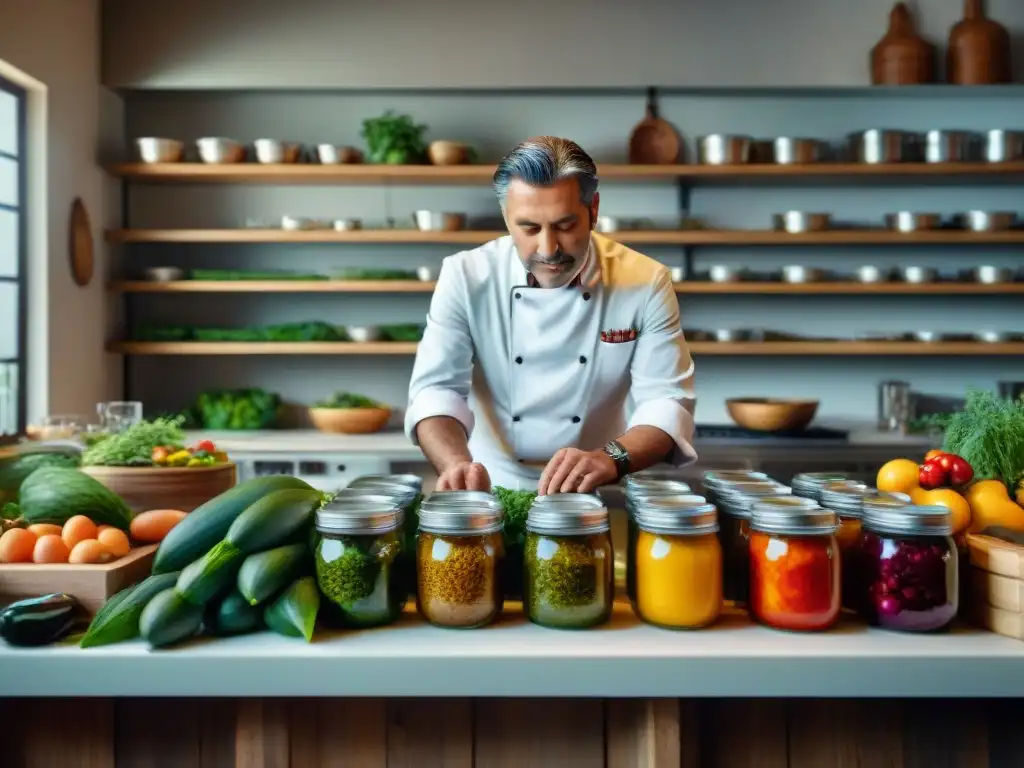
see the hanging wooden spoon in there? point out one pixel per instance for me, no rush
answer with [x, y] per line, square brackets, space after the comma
[654, 141]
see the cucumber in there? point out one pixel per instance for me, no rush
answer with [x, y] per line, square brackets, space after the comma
[265, 574]
[118, 619]
[293, 614]
[169, 618]
[232, 615]
[40, 620]
[274, 520]
[56, 494]
[211, 575]
[197, 534]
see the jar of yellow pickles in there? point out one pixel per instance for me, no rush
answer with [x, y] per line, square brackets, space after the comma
[639, 489]
[678, 562]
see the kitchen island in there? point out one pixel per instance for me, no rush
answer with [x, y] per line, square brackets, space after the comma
[516, 694]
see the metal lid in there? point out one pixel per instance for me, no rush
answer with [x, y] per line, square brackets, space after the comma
[814, 481]
[893, 516]
[567, 519]
[755, 488]
[658, 488]
[848, 497]
[578, 500]
[715, 478]
[395, 496]
[740, 506]
[409, 481]
[359, 516]
[459, 497]
[792, 515]
[679, 515]
[461, 516]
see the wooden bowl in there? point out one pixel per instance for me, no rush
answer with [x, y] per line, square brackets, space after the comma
[765, 414]
[184, 488]
[447, 153]
[349, 421]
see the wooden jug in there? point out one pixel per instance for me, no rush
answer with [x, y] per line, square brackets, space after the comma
[979, 49]
[902, 57]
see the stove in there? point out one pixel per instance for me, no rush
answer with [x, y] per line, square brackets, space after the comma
[733, 432]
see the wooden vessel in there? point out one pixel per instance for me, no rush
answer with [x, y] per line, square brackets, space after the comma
[183, 488]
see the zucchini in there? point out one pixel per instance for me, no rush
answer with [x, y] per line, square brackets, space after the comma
[118, 619]
[200, 531]
[16, 467]
[232, 615]
[169, 618]
[274, 520]
[211, 575]
[265, 574]
[40, 620]
[56, 494]
[293, 614]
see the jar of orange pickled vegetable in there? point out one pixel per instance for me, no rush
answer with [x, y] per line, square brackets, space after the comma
[678, 563]
[794, 565]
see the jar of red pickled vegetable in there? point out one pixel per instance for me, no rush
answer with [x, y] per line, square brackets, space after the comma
[794, 565]
[905, 568]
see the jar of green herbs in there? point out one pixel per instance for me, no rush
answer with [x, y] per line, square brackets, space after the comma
[459, 557]
[358, 542]
[569, 565]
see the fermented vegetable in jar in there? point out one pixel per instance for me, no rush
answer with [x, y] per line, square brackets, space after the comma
[459, 555]
[568, 576]
[638, 488]
[794, 565]
[678, 563]
[904, 571]
[358, 543]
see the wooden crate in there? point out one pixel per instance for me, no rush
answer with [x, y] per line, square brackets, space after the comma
[996, 582]
[91, 585]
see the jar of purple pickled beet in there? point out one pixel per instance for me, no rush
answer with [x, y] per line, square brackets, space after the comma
[904, 566]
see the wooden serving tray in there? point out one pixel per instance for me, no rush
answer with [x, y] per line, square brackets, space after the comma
[91, 585]
[996, 556]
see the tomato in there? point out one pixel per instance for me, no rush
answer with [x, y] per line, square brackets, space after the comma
[960, 471]
[932, 474]
[160, 454]
[206, 445]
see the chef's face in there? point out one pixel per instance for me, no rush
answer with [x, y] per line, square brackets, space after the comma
[550, 227]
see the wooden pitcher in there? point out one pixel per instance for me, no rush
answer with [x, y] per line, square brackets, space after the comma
[902, 56]
[979, 49]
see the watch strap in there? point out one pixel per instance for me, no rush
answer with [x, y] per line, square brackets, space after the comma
[620, 456]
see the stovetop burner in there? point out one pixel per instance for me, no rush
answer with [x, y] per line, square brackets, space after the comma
[739, 433]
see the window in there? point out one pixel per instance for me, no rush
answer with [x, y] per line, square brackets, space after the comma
[13, 331]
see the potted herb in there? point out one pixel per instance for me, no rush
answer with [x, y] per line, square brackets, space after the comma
[394, 139]
[347, 413]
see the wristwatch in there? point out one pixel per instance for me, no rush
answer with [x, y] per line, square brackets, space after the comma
[620, 456]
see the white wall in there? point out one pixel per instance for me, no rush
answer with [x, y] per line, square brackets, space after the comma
[494, 123]
[56, 43]
[531, 43]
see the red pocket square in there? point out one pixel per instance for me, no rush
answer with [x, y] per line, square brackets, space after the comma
[618, 337]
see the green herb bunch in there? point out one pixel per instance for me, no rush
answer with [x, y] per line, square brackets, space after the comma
[394, 139]
[989, 434]
[134, 446]
[348, 400]
[516, 505]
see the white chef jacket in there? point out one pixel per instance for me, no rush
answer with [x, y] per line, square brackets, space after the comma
[528, 371]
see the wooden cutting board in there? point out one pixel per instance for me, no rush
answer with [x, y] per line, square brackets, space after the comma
[996, 556]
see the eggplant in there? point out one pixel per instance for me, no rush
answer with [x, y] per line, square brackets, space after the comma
[40, 620]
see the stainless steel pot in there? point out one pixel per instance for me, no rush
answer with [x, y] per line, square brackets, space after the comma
[919, 274]
[801, 221]
[347, 225]
[438, 221]
[723, 149]
[872, 274]
[911, 221]
[155, 150]
[1001, 146]
[724, 273]
[792, 151]
[987, 221]
[875, 146]
[951, 146]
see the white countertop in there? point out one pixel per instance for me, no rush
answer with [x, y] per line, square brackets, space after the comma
[515, 658]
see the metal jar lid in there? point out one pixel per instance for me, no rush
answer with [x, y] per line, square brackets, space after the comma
[686, 515]
[793, 516]
[755, 488]
[847, 498]
[716, 478]
[400, 495]
[567, 519]
[576, 500]
[408, 481]
[907, 519]
[812, 482]
[359, 516]
[658, 488]
[465, 517]
[639, 484]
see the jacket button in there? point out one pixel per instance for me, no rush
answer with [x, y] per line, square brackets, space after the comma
[522, 461]
[515, 418]
[583, 360]
[519, 295]
[575, 419]
[519, 361]
[586, 297]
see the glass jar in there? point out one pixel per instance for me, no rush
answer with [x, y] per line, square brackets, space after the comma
[905, 567]
[809, 484]
[459, 557]
[636, 492]
[568, 561]
[715, 479]
[357, 547]
[678, 562]
[794, 565]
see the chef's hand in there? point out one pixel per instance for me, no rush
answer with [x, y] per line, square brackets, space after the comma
[464, 476]
[572, 470]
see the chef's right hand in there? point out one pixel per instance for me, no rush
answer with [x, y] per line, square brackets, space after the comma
[464, 476]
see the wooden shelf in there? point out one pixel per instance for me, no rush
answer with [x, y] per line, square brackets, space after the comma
[415, 286]
[636, 237]
[774, 349]
[250, 173]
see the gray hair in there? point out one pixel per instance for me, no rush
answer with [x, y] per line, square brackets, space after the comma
[543, 160]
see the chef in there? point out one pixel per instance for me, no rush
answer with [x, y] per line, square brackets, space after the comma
[540, 345]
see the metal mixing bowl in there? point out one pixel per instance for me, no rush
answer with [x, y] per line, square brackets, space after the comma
[155, 150]
[216, 150]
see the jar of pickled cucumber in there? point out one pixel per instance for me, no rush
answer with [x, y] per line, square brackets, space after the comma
[357, 544]
[459, 557]
[568, 566]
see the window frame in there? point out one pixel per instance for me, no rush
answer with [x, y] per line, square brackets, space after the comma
[20, 280]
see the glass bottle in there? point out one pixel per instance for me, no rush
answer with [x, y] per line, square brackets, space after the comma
[568, 566]
[794, 566]
[459, 556]
[678, 561]
[357, 544]
[905, 567]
